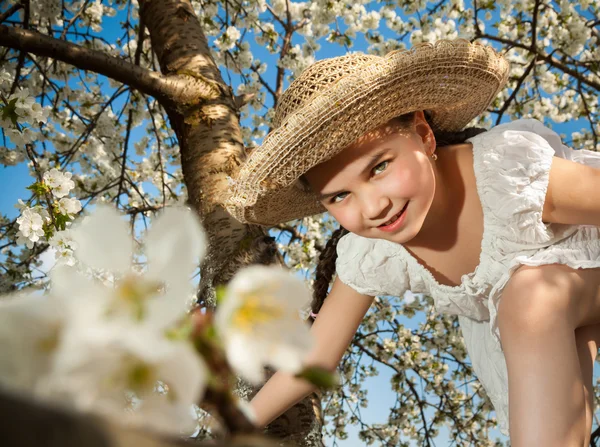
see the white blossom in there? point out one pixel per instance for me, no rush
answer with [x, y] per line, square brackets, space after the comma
[47, 9]
[60, 183]
[27, 108]
[20, 137]
[69, 206]
[106, 335]
[228, 39]
[5, 78]
[157, 297]
[63, 244]
[259, 321]
[94, 368]
[31, 226]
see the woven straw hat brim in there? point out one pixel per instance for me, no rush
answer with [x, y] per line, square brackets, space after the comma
[454, 80]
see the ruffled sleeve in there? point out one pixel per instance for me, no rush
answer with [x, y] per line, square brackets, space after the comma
[512, 167]
[371, 266]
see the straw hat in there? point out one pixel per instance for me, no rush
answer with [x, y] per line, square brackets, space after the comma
[335, 101]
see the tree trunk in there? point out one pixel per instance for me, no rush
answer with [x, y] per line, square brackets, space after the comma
[211, 149]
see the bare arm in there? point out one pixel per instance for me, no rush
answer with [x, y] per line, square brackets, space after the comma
[334, 328]
[573, 195]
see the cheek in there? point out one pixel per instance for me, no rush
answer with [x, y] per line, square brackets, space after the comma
[404, 181]
[348, 217]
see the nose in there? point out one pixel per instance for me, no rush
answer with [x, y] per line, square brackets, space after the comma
[374, 203]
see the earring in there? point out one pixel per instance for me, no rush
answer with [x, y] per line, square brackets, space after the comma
[434, 156]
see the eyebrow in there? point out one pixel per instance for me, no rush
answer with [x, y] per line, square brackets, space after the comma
[373, 159]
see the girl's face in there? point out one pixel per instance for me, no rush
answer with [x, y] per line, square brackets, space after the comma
[371, 181]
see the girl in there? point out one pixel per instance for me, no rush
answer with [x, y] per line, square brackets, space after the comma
[499, 227]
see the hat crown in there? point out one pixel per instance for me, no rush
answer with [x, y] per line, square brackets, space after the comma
[315, 79]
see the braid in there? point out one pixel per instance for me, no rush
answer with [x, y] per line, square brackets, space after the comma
[326, 269]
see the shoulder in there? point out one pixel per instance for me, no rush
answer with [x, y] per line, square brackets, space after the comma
[522, 132]
[512, 164]
[371, 266]
[513, 154]
[516, 150]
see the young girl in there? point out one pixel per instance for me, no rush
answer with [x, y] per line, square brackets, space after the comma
[500, 227]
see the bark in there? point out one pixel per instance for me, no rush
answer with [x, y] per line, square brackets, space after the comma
[212, 149]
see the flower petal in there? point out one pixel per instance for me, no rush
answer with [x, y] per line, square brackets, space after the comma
[287, 358]
[85, 300]
[164, 310]
[185, 373]
[30, 329]
[273, 285]
[246, 358]
[103, 240]
[175, 244]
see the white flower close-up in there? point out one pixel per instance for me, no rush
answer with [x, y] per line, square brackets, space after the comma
[94, 368]
[260, 324]
[101, 331]
[174, 246]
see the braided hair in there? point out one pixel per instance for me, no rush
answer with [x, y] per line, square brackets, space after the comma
[326, 265]
[325, 269]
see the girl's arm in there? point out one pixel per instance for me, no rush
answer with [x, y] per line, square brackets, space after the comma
[573, 194]
[333, 329]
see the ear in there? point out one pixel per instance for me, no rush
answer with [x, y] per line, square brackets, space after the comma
[424, 132]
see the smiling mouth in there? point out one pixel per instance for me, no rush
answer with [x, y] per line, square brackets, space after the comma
[395, 218]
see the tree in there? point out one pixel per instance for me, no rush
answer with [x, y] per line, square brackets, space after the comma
[104, 69]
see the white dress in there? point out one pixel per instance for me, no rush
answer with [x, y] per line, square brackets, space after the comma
[511, 164]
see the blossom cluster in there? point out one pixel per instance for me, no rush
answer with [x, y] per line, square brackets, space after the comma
[114, 338]
[50, 223]
[19, 114]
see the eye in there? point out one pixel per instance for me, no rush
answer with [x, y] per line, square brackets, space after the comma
[380, 167]
[340, 196]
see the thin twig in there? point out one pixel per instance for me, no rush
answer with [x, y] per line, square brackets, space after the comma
[14, 8]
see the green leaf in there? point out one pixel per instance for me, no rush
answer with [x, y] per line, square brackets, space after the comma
[319, 376]
[39, 189]
[181, 331]
[9, 111]
[211, 333]
[220, 292]
[48, 230]
[61, 221]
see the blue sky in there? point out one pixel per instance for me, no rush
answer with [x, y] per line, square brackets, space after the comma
[14, 180]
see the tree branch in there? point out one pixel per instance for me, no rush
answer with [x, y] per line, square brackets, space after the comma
[547, 58]
[169, 90]
[14, 8]
[516, 90]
